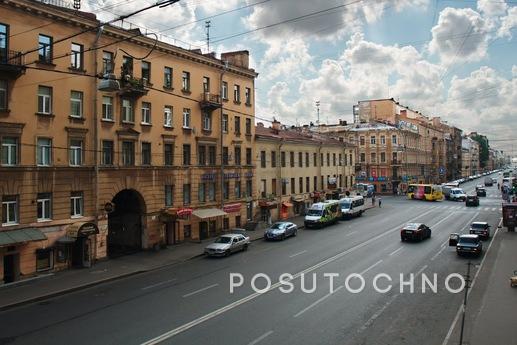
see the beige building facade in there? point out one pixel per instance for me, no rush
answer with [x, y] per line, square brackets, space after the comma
[89, 170]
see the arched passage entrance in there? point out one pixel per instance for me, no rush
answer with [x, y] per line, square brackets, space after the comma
[125, 223]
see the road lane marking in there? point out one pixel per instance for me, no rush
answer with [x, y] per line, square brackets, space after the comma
[493, 208]
[377, 314]
[180, 329]
[262, 337]
[439, 252]
[369, 268]
[456, 318]
[200, 290]
[299, 253]
[421, 270]
[158, 284]
[318, 301]
[350, 233]
[396, 251]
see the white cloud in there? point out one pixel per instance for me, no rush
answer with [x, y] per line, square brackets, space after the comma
[492, 8]
[508, 23]
[460, 35]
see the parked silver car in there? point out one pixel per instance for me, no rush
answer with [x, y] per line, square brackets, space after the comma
[226, 244]
[281, 230]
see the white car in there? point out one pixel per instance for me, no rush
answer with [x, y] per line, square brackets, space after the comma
[226, 244]
[457, 194]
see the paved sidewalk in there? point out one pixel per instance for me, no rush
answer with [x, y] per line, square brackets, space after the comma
[54, 284]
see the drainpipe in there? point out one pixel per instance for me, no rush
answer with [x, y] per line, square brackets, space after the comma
[225, 67]
[96, 130]
[279, 181]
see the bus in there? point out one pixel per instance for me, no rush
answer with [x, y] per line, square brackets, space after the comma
[427, 192]
[351, 206]
[365, 189]
[321, 214]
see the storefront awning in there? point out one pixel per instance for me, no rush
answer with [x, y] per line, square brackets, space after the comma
[208, 213]
[8, 238]
[82, 229]
[287, 204]
[65, 240]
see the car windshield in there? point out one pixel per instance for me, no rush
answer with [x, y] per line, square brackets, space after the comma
[224, 239]
[478, 226]
[345, 204]
[314, 213]
[278, 226]
[468, 240]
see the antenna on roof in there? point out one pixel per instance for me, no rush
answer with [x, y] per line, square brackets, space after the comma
[207, 26]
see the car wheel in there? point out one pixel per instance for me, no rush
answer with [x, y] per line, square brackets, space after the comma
[282, 237]
[295, 233]
[402, 239]
[245, 247]
[227, 253]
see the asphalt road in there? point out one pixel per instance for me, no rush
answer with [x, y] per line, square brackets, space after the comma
[191, 303]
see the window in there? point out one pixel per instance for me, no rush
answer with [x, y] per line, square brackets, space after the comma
[9, 151]
[345, 162]
[128, 114]
[107, 108]
[146, 113]
[394, 156]
[3, 94]
[249, 188]
[225, 90]
[293, 186]
[76, 152]
[394, 139]
[211, 155]
[237, 93]
[225, 123]
[237, 152]
[225, 155]
[44, 100]
[300, 159]
[185, 81]
[350, 160]
[76, 204]
[340, 160]
[207, 121]
[187, 231]
[9, 209]
[167, 116]
[186, 154]
[322, 162]
[107, 62]
[300, 184]
[76, 104]
[146, 153]
[273, 159]
[306, 159]
[211, 191]
[237, 221]
[284, 186]
[372, 157]
[146, 70]
[237, 120]
[237, 189]
[128, 153]
[373, 140]
[282, 159]
[247, 96]
[361, 141]
[248, 126]
[248, 156]
[307, 184]
[383, 140]
[44, 259]
[127, 66]
[107, 152]
[291, 159]
[201, 192]
[383, 157]
[226, 190]
[45, 49]
[315, 183]
[44, 152]
[206, 84]
[168, 191]
[167, 77]
[328, 159]
[186, 194]
[201, 155]
[186, 118]
[363, 157]
[262, 159]
[334, 159]
[44, 206]
[168, 154]
[77, 56]
[315, 159]
[4, 37]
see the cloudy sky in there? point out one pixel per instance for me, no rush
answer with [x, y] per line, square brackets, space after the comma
[456, 59]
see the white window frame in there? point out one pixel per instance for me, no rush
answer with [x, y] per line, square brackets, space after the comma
[373, 140]
[383, 140]
[167, 116]
[45, 203]
[76, 99]
[76, 56]
[11, 159]
[236, 93]
[207, 121]
[107, 108]
[169, 195]
[76, 153]
[225, 123]
[46, 100]
[394, 139]
[44, 152]
[146, 113]
[77, 205]
[6, 205]
[186, 118]
[3, 94]
[185, 81]
[225, 90]
[247, 95]
[128, 114]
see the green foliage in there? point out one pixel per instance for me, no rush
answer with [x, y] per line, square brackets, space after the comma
[483, 148]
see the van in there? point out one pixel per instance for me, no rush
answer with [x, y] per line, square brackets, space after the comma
[352, 206]
[321, 214]
[488, 181]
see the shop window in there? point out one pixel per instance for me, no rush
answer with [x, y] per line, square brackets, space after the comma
[44, 259]
[187, 231]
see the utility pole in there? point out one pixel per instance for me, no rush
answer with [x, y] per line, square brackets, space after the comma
[207, 26]
[318, 110]
[467, 282]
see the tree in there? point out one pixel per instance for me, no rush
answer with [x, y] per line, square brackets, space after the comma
[483, 148]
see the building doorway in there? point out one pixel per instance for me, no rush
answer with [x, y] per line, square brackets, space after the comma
[125, 223]
[11, 268]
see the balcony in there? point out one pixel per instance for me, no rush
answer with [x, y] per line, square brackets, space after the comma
[11, 63]
[133, 87]
[210, 102]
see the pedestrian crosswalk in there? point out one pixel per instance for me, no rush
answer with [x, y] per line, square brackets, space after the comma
[452, 207]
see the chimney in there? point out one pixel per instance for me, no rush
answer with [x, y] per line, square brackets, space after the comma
[239, 58]
[276, 125]
[260, 124]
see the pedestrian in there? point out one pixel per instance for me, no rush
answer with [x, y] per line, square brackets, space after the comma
[373, 200]
[380, 200]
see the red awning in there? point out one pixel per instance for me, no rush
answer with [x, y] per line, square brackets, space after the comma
[230, 208]
[287, 204]
[184, 212]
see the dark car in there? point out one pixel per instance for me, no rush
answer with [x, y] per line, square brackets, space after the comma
[415, 231]
[481, 192]
[480, 228]
[468, 244]
[472, 200]
[281, 230]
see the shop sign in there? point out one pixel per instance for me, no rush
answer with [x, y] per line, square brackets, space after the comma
[208, 176]
[231, 208]
[82, 229]
[232, 175]
[248, 174]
